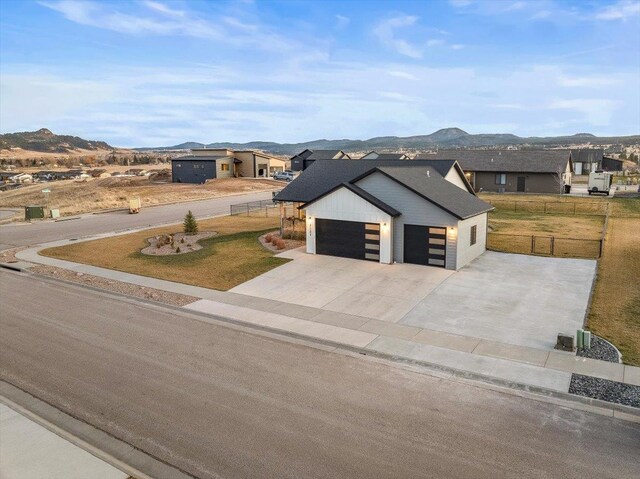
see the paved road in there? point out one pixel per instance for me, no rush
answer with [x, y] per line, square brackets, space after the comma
[91, 224]
[216, 401]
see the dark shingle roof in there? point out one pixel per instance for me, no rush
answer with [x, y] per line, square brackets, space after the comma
[505, 161]
[365, 195]
[200, 158]
[434, 188]
[323, 176]
[391, 156]
[587, 155]
[323, 154]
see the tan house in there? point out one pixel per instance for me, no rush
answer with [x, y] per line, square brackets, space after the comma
[208, 163]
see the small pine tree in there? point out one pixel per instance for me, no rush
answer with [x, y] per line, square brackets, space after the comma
[190, 224]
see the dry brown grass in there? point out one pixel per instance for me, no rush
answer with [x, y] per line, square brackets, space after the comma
[73, 197]
[574, 236]
[615, 307]
[226, 260]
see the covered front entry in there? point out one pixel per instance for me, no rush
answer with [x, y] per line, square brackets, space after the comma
[348, 239]
[425, 245]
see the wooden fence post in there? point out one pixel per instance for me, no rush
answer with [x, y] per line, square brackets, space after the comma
[533, 244]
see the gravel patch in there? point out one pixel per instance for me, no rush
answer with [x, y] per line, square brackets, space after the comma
[115, 286]
[600, 349]
[9, 255]
[605, 390]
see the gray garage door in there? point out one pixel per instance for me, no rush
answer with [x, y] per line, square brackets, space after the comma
[425, 245]
[348, 239]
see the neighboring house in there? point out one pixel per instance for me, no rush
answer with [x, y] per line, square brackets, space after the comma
[374, 155]
[611, 164]
[208, 163]
[305, 159]
[586, 160]
[421, 212]
[512, 171]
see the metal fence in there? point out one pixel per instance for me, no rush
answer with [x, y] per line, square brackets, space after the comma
[598, 208]
[545, 245]
[253, 208]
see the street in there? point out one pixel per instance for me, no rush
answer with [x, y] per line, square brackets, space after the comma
[219, 402]
[90, 224]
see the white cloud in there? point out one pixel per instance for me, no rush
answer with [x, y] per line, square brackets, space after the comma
[342, 21]
[401, 74]
[457, 46]
[460, 3]
[435, 42]
[596, 111]
[386, 33]
[620, 11]
[231, 30]
[164, 9]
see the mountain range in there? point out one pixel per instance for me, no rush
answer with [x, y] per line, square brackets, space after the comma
[444, 138]
[44, 141]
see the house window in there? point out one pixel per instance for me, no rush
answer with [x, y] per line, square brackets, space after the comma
[501, 179]
[224, 167]
[474, 234]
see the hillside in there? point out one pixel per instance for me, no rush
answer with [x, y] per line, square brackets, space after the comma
[44, 141]
[444, 138]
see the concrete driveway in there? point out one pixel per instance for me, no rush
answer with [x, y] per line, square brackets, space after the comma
[513, 299]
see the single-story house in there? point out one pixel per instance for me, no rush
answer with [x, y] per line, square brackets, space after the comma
[611, 164]
[305, 159]
[208, 163]
[421, 212]
[586, 160]
[512, 171]
[374, 155]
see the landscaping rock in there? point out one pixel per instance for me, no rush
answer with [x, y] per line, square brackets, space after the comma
[605, 390]
[600, 349]
[165, 244]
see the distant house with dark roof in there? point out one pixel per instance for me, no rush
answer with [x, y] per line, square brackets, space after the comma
[586, 160]
[389, 211]
[208, 163]
[374, 155]
[611, 164]
[305, 159]
[512, 171]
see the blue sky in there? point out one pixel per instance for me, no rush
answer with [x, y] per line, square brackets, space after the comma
[160, 72]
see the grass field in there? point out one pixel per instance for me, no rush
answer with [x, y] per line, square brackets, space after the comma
[75, 197]
[574, 236]
[226, 260]
[615, 307]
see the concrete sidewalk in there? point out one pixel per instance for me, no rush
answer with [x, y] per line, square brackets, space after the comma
[509, 363]
[29, 451]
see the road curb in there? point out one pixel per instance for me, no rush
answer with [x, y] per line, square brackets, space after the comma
[114, 451]
[536, 392]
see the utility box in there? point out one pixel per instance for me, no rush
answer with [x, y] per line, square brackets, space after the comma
[599, 182]
[33, 212]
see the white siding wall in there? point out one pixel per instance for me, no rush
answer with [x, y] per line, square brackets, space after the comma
[415, 211]
[454, 177]
[344, 205]
[467, 253]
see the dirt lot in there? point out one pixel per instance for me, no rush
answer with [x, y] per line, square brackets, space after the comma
[74, 197]
[226, 260]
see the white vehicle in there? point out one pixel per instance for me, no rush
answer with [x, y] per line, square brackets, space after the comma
[599, 182]
[284, 175]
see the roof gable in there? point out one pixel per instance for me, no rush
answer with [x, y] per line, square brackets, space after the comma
[431, 186]
[369, 198]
